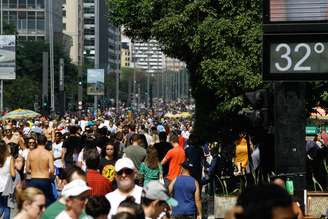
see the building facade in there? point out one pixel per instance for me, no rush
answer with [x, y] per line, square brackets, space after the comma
[125, 55]
[73, 29]
[148, 56]
[31, 17]
[114, 49]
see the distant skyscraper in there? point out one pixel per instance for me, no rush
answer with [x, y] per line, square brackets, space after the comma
[109, 37]
[73, 29]
[148, 56]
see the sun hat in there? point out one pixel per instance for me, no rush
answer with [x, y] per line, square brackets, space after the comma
[75, 188]
[154, 190]
[124, 163]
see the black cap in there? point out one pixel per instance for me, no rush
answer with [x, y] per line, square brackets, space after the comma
[187, 165]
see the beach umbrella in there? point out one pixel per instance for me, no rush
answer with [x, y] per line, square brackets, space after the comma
[20, 114]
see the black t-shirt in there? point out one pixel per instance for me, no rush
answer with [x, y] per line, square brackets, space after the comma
[73, 145]
[162, 148]
[107, 168]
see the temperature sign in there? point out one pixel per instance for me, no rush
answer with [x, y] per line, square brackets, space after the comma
[299, 57]
[295, 58]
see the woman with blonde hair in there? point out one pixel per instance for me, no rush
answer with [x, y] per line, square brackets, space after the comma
[7, 170]
[30, 203]
[151, 168]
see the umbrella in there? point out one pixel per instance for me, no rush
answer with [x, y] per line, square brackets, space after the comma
[21, 114]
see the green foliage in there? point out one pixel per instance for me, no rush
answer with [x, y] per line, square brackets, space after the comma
[221, 43]
[27, 87]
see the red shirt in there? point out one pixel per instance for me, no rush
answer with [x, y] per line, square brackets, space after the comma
[176, 157]
[100, 186]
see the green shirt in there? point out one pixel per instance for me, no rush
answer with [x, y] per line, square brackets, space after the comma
[55, 209]
[148, 173]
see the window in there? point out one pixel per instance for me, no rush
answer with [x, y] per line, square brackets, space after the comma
[22, 22]
[40, 4]
[12, 3]
[89, 21]
[5, 3]
[30, 4]
[40, 22]
[21, 3]
[31, 21]
[13, 18]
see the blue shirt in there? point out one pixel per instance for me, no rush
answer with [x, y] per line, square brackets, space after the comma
[184, 192]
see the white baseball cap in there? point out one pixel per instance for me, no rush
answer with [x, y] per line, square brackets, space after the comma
[154, 190]
[124, 163]
[75, 188]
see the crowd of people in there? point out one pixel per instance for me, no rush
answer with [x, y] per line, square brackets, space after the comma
[108, 166]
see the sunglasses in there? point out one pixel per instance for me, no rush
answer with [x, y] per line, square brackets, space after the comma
[31, 142]
[126, 171]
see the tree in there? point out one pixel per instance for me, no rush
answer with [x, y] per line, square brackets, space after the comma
[26, 88]
[220, 41]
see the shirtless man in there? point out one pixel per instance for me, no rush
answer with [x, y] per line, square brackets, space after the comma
[49, 132]
[40, 164]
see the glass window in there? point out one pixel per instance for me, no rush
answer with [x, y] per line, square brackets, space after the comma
[5, 3]
[13, 18]
[40, 4]
[40, 22]
[31, 21]
[6, 17]
[22, 22]
[12, 3]
[40, 38]
[30, 3]
[31, 38]
[21, 3]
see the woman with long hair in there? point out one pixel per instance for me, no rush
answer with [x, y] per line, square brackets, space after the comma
[109, 156]
[7, 170]
[30, 203]
[151, 168]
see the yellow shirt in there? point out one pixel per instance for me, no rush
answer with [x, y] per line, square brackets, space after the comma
[241, 153]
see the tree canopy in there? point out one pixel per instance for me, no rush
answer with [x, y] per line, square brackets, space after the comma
[25, 90]
[221, 43]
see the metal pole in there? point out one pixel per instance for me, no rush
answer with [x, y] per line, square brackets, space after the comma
[147, 97]
[96, 47]
[117, 75]
[61, 87]
[1, 81]
[134, 76]
[52, 70]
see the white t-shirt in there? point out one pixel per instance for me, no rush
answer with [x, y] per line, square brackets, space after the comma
[116, 197]
[63, 215]
[57, 151]
[24, 153]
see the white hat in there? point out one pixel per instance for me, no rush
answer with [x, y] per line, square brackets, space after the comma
[124, 163]
[75, 188]
[154, 190]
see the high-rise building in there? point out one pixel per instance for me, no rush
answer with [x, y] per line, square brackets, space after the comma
[31, 17]
[73, 29]
[114, 49]
[148, 56]
[125, 55]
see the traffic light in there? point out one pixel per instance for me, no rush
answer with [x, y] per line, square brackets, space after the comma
[45, 106]
[260, 114]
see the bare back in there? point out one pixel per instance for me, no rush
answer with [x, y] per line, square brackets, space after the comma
[40, 163]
